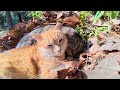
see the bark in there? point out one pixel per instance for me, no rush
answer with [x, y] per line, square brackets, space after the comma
[9, 20]
[19, 16]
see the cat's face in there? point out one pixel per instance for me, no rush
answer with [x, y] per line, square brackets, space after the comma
[53, 43]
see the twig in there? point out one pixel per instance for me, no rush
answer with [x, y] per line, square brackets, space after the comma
[6, 45]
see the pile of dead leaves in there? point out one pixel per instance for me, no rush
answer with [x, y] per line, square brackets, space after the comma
[13, 37]
[10, 40]
[98, 47]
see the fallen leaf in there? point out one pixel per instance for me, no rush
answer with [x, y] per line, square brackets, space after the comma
[89, 67]
[71, 65]
[62, 74]
[72, 20]
[100, 23]
[60, 14]
[115, 21]
[93, 45]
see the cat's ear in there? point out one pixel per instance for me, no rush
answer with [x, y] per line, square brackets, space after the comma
[37, 37]
[58, 25]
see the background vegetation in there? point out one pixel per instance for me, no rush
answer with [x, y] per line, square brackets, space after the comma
[8, 19]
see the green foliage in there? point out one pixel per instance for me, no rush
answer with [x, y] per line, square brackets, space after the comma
[83, 16]
[94, 31]
[102, 29]
[113, 14]
[81, 32]
[98, 15]
[37, 14]
[110, 14]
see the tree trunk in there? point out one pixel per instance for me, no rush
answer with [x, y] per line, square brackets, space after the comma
[9, 20]
[19, 16]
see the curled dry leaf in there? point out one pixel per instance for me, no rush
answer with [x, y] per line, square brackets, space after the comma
[71, 65]
[82, 58]
[72, 20]
[88, 61]
[64, 14]
[89, 67]
[62, 74]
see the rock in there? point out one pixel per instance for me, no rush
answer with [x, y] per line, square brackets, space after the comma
[112, 43]
[75, 43]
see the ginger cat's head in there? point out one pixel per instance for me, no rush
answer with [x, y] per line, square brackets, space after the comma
[51, 43]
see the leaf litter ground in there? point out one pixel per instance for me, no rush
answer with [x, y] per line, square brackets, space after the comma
[100, 60]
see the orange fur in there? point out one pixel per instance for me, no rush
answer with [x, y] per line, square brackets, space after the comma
[37, 60]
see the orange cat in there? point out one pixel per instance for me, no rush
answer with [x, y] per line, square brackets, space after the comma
[39, 60]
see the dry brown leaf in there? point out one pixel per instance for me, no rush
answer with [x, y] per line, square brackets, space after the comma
[62, 74]
[72, 20]
[89, 67]
[71, 65]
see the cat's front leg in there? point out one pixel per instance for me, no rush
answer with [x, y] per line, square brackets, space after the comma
[62, 70]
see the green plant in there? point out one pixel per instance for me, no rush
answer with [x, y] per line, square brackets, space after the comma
[110, 14]
[98, 15]
[81, 32]
[95, 31]
[83, 16]
[113, 14]
[37, 14]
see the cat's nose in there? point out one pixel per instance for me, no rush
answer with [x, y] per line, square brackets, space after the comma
[57, 48]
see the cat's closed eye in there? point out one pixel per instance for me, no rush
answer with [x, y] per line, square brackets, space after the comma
[60, 40]
[50, 45]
